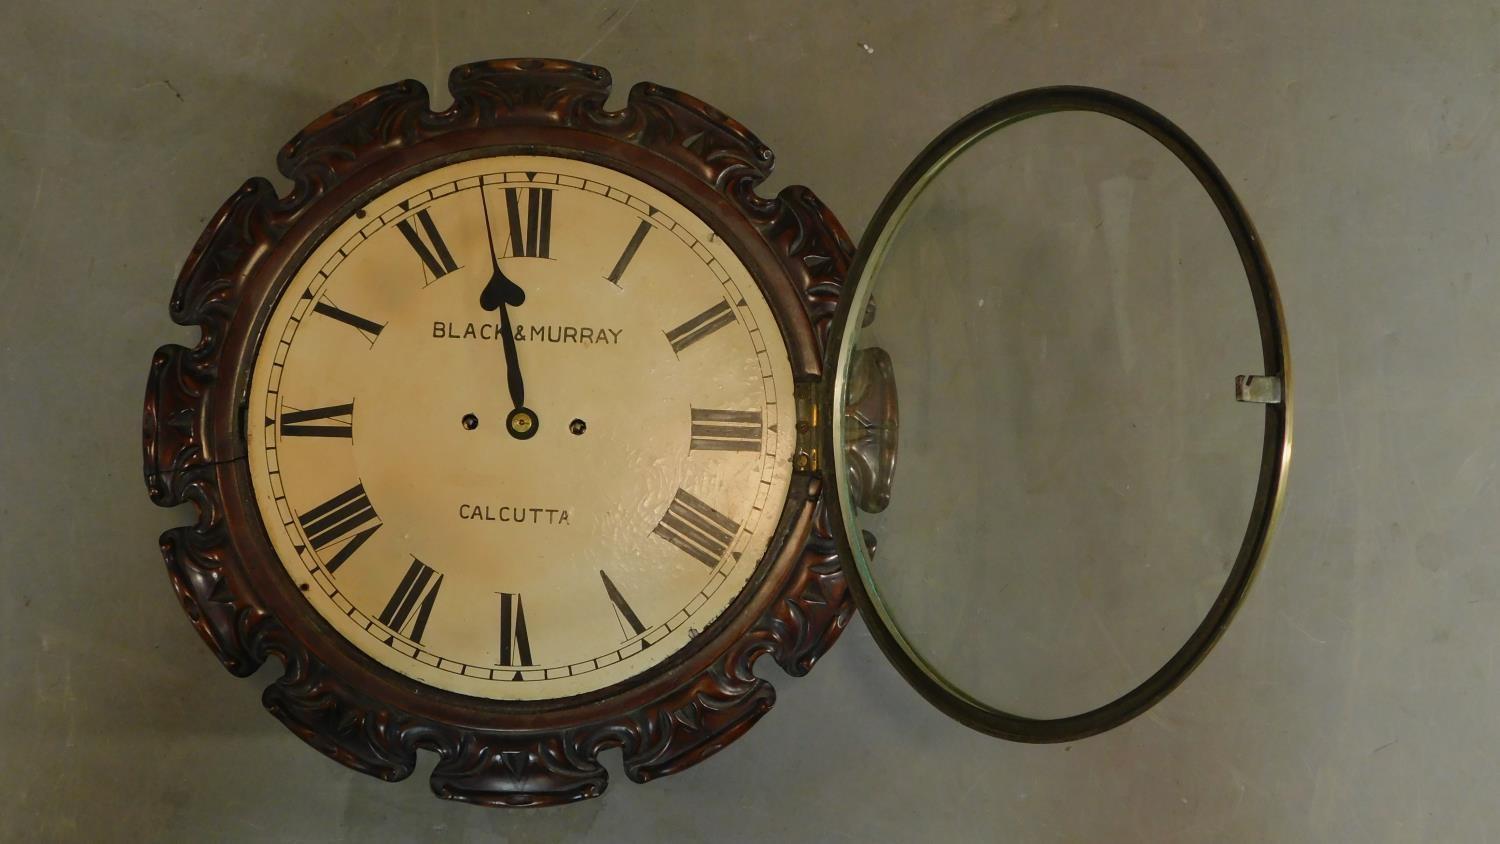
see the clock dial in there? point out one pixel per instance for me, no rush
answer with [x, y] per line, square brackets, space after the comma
[387, 452]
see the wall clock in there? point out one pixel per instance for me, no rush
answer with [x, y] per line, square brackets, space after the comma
[519, 431]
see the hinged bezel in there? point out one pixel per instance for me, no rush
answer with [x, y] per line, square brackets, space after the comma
[1272, 389]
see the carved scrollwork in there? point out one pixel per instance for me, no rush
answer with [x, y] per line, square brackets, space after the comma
[194, 445]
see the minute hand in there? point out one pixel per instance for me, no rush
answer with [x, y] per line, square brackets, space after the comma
[499, 292]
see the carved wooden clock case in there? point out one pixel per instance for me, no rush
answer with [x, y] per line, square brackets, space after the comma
[248, 585]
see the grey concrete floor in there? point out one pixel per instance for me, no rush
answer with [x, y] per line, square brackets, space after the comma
[1355, 699]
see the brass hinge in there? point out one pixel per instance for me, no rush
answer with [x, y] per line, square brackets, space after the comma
[806, 458]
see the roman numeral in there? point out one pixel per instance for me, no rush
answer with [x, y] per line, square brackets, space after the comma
[515, 645]
[700, 326]
[726, 430]
[623, 613]
[340, 422]
[366, 327]
[630, 249]
[340, 519]
[411, 604]
[700, 530]
[438, 260]
[536, 239]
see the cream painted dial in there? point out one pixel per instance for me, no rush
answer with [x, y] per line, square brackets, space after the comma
[521, 564]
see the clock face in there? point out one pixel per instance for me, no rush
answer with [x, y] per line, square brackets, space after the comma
[448, 535]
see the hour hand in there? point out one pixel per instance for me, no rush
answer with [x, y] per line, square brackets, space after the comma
[501, 291]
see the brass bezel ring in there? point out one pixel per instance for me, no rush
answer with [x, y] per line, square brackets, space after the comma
[1276, 443]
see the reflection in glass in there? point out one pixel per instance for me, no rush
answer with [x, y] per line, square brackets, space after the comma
[1066, 313]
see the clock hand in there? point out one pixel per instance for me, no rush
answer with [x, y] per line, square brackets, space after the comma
[497, 294]
[513, 378]
[501, 291]
[500, 288]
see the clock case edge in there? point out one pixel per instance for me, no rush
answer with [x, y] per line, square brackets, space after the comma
[224, 571]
